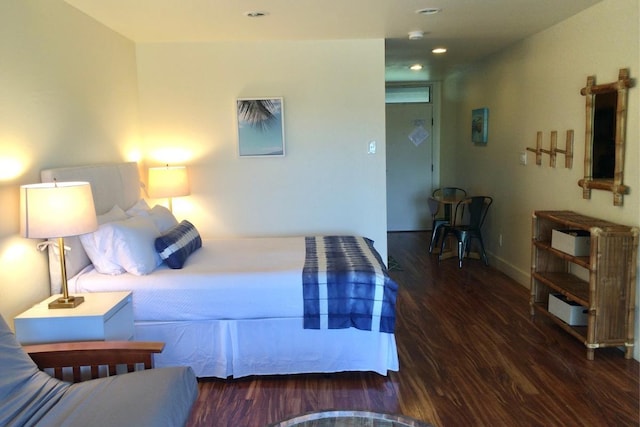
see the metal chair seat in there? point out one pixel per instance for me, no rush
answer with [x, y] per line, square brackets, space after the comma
[436, 207]
[477, 207]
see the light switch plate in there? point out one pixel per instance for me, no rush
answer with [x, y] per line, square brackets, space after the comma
[523, 157]
[372, 147]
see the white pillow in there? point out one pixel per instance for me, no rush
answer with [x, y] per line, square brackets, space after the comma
[97, 245]
[115, 214]
[103, 264]
[163, 218]
[140, 208]
[121, 246]
[133, 245]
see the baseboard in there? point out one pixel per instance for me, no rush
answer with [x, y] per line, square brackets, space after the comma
[517, 274]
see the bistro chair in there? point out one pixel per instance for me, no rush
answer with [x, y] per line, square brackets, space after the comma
[477, 208]
[441, 212]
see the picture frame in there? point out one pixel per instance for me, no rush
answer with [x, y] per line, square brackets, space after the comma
[480, 126]
[260, 127]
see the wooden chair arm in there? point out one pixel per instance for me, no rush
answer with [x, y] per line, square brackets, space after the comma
[93, 354]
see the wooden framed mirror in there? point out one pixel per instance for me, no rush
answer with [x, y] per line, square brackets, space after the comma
[606, 115]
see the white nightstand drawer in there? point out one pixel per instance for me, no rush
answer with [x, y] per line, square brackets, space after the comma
[102, 316]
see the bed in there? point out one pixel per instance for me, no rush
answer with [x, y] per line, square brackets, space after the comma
[245, 306]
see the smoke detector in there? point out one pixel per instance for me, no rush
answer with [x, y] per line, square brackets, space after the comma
[428, 11]
[256, 14]
[416, 35]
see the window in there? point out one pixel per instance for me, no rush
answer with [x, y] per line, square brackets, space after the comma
[404, 93]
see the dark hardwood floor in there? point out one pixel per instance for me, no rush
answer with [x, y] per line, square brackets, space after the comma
[470, 354]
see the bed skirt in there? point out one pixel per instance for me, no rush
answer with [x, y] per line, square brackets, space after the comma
[239, 348]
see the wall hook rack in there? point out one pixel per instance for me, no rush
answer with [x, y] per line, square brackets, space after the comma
[554, 150]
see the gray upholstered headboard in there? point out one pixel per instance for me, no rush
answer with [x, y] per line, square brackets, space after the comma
[111, 184]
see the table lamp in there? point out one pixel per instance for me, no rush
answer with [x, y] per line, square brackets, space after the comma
[168, 181]
[58, 210]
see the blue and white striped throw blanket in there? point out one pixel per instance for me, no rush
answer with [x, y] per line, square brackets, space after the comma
[345, 284]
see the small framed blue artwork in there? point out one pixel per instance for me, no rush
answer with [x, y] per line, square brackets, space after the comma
[480, 126]
[260, 127]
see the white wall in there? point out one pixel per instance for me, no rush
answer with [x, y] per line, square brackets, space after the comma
[68, 95]
[333, 105]
[535, 86]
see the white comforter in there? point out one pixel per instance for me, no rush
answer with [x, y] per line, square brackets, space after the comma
[251, 278]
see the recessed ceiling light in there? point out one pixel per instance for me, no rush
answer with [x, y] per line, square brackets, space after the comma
[439, 50]
[416, 67]
[428, 11]
[256, 14]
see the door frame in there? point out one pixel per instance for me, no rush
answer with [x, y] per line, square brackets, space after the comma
[436, 103]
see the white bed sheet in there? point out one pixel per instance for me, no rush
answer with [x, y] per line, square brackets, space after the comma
[236, 309]
[238, 348]
[251, 278]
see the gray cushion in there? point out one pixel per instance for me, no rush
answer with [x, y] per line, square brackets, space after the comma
[25, 392]
[156, 397]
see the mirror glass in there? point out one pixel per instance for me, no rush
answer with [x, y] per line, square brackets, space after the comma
[604, 135]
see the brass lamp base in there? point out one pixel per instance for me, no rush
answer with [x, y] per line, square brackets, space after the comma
[66, 300]
[69, 302]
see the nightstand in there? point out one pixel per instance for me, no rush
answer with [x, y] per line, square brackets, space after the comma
[103, 316]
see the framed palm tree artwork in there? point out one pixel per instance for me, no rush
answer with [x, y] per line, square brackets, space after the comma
[260, 127]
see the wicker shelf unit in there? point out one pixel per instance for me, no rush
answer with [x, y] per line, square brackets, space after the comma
[607, 289]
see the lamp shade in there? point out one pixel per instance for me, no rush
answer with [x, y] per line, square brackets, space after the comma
[56, 209]
[168, 181]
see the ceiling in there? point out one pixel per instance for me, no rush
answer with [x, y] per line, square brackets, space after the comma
[469, 29]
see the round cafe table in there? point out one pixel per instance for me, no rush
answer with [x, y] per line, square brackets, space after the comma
[350, 419]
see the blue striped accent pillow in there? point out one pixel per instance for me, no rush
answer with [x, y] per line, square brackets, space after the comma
[175, 246]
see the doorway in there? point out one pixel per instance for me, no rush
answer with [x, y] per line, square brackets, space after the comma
[409, 142]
